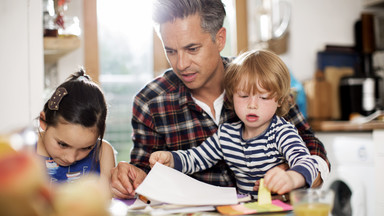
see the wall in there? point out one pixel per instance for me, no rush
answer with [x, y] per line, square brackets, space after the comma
[21, 59]
[313, 25]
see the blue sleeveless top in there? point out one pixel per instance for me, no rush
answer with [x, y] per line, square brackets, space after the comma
[73, 172]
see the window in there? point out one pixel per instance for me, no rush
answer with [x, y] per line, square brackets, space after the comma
[126, 64]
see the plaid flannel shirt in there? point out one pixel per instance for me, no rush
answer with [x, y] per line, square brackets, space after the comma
[165, 117]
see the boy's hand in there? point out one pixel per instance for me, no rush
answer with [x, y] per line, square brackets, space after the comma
[280, 181]
[163, 157]
[283, 166]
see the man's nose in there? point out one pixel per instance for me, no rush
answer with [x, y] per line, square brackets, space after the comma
[183, 61]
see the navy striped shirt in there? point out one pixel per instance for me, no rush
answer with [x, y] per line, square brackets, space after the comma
[250, 159]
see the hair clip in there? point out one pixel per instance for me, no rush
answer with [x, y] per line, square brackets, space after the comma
[53, 103]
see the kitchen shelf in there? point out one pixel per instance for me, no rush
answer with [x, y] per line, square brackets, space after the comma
[57, 47]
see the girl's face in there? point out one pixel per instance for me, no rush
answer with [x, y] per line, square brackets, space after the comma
[254, 110]
[67, 143]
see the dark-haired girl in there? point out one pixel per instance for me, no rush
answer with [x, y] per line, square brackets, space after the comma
[72, 127]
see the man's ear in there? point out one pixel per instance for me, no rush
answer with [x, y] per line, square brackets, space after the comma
[221, 37]
[43, 123]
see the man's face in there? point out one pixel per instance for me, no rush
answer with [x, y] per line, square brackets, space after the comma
[192, 53]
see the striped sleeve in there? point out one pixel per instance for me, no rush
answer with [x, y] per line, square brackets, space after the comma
[296, 153]
[199, 158]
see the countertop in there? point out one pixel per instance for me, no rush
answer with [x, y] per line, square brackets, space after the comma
[344, 126]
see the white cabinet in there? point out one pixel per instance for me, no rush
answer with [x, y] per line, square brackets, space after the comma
[21, 60]
[357, 159]
[378, 139]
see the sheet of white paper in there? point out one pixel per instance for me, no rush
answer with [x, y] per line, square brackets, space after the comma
[192, 209]
[168, 185]
[138, 204]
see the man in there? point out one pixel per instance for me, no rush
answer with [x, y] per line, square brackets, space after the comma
[184, 106]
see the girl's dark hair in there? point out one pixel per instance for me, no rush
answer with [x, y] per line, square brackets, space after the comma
[84, 104]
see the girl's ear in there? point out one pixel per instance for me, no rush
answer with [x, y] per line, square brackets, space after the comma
[43, 124]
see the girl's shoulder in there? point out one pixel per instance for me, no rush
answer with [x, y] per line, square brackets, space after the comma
[107, 147]
[107, 152]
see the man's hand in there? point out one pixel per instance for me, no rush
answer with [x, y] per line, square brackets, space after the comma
[163, 157]
[125, 178]
[318, 181]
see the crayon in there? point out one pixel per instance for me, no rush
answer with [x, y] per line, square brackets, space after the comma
[144, 199]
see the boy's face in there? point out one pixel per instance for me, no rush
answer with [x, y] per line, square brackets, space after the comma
[192, 53]
[254, 109]
[67, 143]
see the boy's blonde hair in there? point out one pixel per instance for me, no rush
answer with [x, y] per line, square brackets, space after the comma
[259, 68]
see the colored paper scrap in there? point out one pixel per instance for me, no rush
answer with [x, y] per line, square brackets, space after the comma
[254, 208]
[264, 195]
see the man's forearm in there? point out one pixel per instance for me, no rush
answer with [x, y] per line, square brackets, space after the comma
[318, 181]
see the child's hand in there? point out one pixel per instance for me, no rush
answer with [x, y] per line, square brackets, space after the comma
[257, 185]
[163, 157]
[283, 166]
[280, 181]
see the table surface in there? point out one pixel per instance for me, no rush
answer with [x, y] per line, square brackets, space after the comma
[121, 210]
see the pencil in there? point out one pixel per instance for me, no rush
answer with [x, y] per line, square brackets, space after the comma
[144, 199]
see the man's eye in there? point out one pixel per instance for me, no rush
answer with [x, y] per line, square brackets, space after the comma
[192, 49]
[170, 52]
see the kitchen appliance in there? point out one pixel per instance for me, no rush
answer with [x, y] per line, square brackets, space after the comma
[358, 96]
[352, 172]
[350, 89]
[361, 92]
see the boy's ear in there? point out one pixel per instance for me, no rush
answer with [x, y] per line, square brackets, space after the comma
[43, 124]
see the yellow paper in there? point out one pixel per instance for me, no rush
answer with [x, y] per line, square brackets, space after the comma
[264, 195]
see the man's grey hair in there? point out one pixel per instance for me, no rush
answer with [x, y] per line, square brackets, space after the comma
[212, 13]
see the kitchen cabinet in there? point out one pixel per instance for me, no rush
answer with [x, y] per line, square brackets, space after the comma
[378, 137]
[21, 60]
[356, 153]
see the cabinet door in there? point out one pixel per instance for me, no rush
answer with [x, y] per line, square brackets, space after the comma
[378, 137]
[21, 60]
